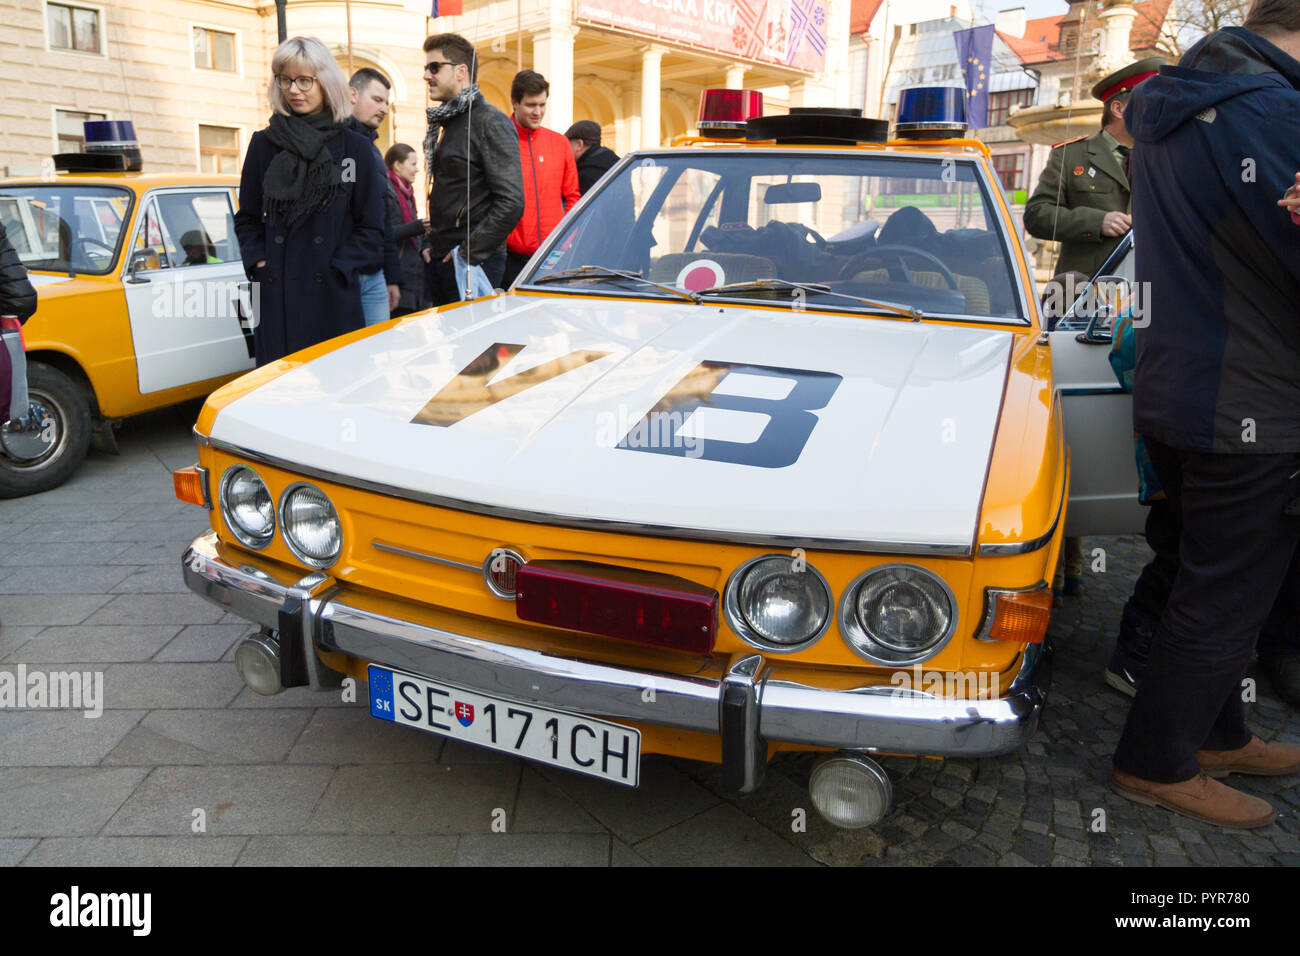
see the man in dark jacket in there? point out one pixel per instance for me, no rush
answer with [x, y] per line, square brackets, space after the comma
[473, 153]
[17, 299]
[593, 159]
[381, 290]
[1216, 397]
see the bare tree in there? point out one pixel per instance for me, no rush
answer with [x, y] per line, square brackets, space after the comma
[1186, 21]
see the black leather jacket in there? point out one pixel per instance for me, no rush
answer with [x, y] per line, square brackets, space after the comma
[17, 297]
[495, 200]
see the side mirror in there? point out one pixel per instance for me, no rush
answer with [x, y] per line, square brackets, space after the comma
[1109, 298]
[142, 260]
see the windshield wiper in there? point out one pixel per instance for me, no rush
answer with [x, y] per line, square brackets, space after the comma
[895, 308]
[603, 272]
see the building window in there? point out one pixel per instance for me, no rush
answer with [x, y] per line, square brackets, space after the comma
[1000, 104]
[73, 28]
[68, 129]
[214, 50]
[218, 149]
[1010, 168]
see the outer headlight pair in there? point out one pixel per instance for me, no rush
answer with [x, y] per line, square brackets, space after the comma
[895, 614]
[310, 524]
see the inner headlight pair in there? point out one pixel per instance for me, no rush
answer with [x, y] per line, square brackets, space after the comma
[895, 614]
[309, 522]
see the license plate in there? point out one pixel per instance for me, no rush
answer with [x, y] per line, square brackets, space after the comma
[570, 741]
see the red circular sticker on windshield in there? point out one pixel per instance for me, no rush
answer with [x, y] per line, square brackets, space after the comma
[701, 274]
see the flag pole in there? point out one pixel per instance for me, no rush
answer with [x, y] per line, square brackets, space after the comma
[348, 5]
[519, 36]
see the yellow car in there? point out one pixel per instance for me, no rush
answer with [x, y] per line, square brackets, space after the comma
[762, 452]
[140, 285]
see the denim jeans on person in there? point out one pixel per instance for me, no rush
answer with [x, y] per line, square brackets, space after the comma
[374, 297]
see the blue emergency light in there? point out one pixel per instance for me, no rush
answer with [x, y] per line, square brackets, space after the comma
[111, 146]
[931, 112]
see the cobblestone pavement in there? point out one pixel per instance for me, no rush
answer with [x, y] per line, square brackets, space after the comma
[89, 580]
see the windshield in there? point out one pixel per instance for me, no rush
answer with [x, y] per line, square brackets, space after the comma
[65, 228]
[921, 233]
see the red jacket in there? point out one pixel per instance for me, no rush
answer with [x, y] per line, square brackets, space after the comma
[550, 186]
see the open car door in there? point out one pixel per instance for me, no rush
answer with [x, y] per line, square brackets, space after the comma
[1098, 412]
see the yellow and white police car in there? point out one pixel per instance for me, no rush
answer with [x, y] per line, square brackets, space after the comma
[763, 452]
[141, 294]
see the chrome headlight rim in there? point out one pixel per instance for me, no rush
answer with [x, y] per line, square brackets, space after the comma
[307, 559]
[739, 624]
[866, 647]
[242, 536]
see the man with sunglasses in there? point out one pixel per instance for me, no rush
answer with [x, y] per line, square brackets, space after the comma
[472, 151]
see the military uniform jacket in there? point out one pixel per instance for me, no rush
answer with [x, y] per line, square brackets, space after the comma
[1089, 182]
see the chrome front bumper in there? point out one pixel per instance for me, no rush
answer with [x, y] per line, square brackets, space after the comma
[742, 700]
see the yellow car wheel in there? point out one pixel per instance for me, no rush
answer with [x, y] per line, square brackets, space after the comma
[42, 451]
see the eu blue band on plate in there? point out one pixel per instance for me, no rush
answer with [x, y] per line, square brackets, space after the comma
[381, 693]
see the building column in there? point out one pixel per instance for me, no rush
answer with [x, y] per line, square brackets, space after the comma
[553, 58]
[651, 91]
[735, 77]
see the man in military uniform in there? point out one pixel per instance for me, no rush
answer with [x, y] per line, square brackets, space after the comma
[1082, 199]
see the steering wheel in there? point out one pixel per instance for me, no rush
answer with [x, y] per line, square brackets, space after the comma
[79, 248]
[894, 264]
[806, 233]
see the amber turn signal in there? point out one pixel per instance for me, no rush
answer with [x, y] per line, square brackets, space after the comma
[1020, 616]
[191, 485]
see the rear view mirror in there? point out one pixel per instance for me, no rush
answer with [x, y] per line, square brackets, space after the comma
[793, 192]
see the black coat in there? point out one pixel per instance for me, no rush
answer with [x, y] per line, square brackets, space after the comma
[494, 191]
[414, 296]
[593, 164]
[17, 297]
[307, 292]
[392, 265]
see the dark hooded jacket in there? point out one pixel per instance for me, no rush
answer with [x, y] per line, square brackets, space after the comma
[17, 297]
[393, 273]
[593, 164]
[1218, 349]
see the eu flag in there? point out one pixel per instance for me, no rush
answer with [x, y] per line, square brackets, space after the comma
[975, 54]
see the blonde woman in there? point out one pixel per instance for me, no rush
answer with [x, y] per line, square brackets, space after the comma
[311, 216]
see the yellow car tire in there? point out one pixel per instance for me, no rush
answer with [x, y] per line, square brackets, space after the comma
[46, 453]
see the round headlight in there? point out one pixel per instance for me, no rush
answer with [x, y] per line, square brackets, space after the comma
[247, 507]
[311, 525]
[897, 614]
[778, 602]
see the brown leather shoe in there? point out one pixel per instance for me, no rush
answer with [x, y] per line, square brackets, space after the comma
[1199, 798]
[1266, 759]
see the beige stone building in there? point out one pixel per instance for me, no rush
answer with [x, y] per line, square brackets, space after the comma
[192, 74]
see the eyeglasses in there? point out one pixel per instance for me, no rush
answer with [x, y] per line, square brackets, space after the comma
[303, 83]
[434, 66]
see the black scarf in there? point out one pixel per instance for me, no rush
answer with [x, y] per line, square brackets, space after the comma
[303, 176]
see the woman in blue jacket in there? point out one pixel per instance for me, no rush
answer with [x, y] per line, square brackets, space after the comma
[311, 216]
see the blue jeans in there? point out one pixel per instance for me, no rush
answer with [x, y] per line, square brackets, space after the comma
[374, 297]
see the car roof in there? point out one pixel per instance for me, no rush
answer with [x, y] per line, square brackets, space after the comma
[893, 147]
[138, 182]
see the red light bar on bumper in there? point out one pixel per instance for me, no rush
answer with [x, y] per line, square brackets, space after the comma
[640, 606]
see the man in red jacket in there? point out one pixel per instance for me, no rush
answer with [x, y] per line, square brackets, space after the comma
[550, 173]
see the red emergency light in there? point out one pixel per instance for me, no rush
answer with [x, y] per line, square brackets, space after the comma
[640, 606]
[723, 113]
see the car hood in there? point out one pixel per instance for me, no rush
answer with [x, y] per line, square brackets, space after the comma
[748, 424]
